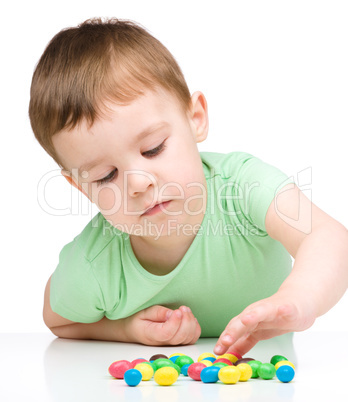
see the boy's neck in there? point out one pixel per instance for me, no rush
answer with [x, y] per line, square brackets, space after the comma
[162, 255]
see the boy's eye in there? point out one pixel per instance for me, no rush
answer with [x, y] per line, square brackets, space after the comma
[150, 154]
[155, 151]
[107, 178]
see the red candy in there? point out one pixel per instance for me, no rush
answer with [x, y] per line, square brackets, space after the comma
[118, 368]
[238, 356]
[194, 370]
[223, 360]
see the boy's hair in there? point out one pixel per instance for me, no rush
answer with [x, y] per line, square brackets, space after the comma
[98, 61]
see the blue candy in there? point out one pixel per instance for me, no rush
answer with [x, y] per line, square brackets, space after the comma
[173, 358]
[132, 377]
[184, 369]
[210, 374]
[285, 373]
[211, 359]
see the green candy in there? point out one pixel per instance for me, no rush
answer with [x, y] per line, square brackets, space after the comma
[220, 364]
[159, 363]
[182, 360]
[277, 358]
[266, 371]
[254, 364]
[177, 368]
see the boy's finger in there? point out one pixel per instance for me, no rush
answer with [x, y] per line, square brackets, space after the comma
[156, 313]
[237, 328]
[243, 345]
[187, 330]
[168, 329]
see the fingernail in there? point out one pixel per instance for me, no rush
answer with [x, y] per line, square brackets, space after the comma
[218, 349]
[227, 339]
[169, 314]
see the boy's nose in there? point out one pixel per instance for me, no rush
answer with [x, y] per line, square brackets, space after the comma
[138, 182]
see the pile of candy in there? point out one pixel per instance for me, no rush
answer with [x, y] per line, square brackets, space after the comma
[228, 368]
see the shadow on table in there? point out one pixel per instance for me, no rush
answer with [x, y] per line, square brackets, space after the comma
[77, 370]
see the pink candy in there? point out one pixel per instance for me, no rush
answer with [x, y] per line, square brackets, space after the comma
[119, 367]
[194, 371]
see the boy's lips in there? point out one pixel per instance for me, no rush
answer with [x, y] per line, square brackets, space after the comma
[149, 209]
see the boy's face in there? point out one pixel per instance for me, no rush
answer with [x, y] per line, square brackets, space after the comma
[132, 173]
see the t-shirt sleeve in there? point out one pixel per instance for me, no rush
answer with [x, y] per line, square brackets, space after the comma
[256, 185]
[75, 293]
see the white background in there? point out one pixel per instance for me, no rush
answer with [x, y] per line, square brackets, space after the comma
[275, 77]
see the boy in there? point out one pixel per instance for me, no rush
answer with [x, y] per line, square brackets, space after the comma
[186, 244]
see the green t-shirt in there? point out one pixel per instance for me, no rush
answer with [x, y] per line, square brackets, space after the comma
[231, 263]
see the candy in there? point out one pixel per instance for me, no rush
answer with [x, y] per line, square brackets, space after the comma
[136, 361]
[266, 371]
[161, 362]
[119, 367]
[237, 355]
[245, 370]
[173, 358]
[244, 360]
[284, 362]
[207, 362]
[176, 354]
[220, 364]
[194, 371]
[254, 364]
[177, 368]
[158, 356]
[232, 357]
[229, 374]
[277, 358]
[182, 360]
[146, 371]
[285, 373]
[223, 360]
[205, 355]
[166, 376]
[184, 369]
[210, 359]
[132, 377]
[210, 374]
[228, 368]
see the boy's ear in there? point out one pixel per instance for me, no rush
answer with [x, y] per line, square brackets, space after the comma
[199, 115]
[67, 175]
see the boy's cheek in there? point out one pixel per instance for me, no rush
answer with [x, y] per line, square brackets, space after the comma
[107, 201]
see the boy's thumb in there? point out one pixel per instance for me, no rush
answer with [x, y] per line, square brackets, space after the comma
[157, 313]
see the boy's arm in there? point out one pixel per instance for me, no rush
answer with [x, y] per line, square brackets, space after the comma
[318, 280]
[65, 328]
[156, 325]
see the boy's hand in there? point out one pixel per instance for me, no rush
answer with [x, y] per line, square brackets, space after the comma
[158, 325]
[264, 319]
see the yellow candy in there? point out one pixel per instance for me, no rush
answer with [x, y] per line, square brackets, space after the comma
[229, 374]
[284, 363]
[246, 371]
[146, 370]
[204, 355]
[176, 354]
[208, 363]
[166, 376]
[229, 356]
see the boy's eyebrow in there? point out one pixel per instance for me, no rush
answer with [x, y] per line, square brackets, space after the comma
[143, 134]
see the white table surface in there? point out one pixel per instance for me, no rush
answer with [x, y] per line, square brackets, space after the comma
[40, 367]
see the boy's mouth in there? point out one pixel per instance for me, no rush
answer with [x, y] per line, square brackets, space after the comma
[155, 208]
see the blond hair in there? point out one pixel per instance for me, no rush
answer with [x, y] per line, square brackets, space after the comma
[98, 61]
